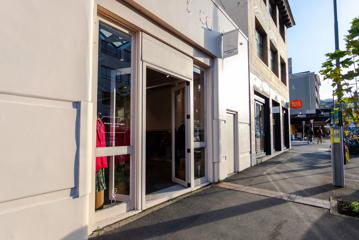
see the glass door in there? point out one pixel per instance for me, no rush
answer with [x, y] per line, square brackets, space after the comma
[180, 96]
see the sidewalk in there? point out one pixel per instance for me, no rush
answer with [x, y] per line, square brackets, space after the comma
[219, 213]
[305, 170]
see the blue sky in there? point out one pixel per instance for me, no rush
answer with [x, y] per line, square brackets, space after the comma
[313, 35]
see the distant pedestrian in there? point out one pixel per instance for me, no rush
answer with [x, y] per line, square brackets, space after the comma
[320, 136]
[310, 135]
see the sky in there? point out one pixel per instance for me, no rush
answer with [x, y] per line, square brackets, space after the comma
[313, 35]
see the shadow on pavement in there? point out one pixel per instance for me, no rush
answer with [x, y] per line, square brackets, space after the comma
[161, 228]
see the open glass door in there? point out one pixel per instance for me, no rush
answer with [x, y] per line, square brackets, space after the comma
[180, 123]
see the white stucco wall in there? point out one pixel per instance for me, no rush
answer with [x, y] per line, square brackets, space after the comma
[44, 77]
[202, 22]
[233, 95]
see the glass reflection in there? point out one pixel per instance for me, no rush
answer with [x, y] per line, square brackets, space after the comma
[114, 85]
[199, 123]
[259, 128]
[113, 116]
[199, 162]
[198, 104]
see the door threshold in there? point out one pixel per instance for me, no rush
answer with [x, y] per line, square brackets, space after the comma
[164, 195]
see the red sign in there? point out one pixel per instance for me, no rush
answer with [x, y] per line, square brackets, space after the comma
[297, 103]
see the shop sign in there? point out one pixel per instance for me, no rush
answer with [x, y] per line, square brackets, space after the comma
[297, 103]
[230, 43]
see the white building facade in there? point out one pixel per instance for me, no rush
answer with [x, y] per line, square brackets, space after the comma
[112, 107]
[266, 23]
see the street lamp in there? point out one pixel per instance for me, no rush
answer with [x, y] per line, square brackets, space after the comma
[337, 133]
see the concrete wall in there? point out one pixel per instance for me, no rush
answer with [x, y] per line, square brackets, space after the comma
[44, 93]
[258, 10]
[305, 86]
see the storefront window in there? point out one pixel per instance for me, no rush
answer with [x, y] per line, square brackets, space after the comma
[198, 105]
[114, 85]
[259, 128]
[199, 122]
[113, 117]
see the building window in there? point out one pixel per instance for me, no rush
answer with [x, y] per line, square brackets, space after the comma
[273, 11]
[283, 71]
[282, 29]
[261, 43]
[274, 59]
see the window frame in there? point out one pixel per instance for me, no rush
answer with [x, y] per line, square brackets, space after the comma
[285, 77]
[131, 203]
[274, 59]
[202, 144]
[260, 34]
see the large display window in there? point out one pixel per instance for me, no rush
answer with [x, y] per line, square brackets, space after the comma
[259, 127]
[199, 124]
[113, 124]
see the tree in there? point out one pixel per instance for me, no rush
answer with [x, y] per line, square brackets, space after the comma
[342, 68]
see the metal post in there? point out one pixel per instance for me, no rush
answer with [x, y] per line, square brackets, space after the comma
[337, 138]
[303, 125]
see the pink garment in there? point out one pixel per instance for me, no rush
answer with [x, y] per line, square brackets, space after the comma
[101, 162]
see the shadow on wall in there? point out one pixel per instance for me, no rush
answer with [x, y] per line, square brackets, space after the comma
[75, 190]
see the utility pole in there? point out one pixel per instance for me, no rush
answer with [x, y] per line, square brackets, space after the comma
[337, 133]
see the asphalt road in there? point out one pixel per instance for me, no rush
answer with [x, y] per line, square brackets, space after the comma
[218, 213]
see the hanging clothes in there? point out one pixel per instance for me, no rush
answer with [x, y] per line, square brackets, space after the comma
[123, 138]
[101, 162]
[100, 180]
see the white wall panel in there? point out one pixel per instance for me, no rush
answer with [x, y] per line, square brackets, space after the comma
[38, 146]
[44, 48]
[60, 218]
[163, 56]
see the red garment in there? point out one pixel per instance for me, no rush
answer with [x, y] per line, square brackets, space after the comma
[123, 138]
[101, 162]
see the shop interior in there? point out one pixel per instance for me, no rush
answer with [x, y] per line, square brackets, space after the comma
[165, 131]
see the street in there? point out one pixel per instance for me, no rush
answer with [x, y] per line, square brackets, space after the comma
[219, 213]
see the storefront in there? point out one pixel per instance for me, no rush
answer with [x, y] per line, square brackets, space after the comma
[150, 124]
[154, 104]
[143, 110]
[262, 125]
